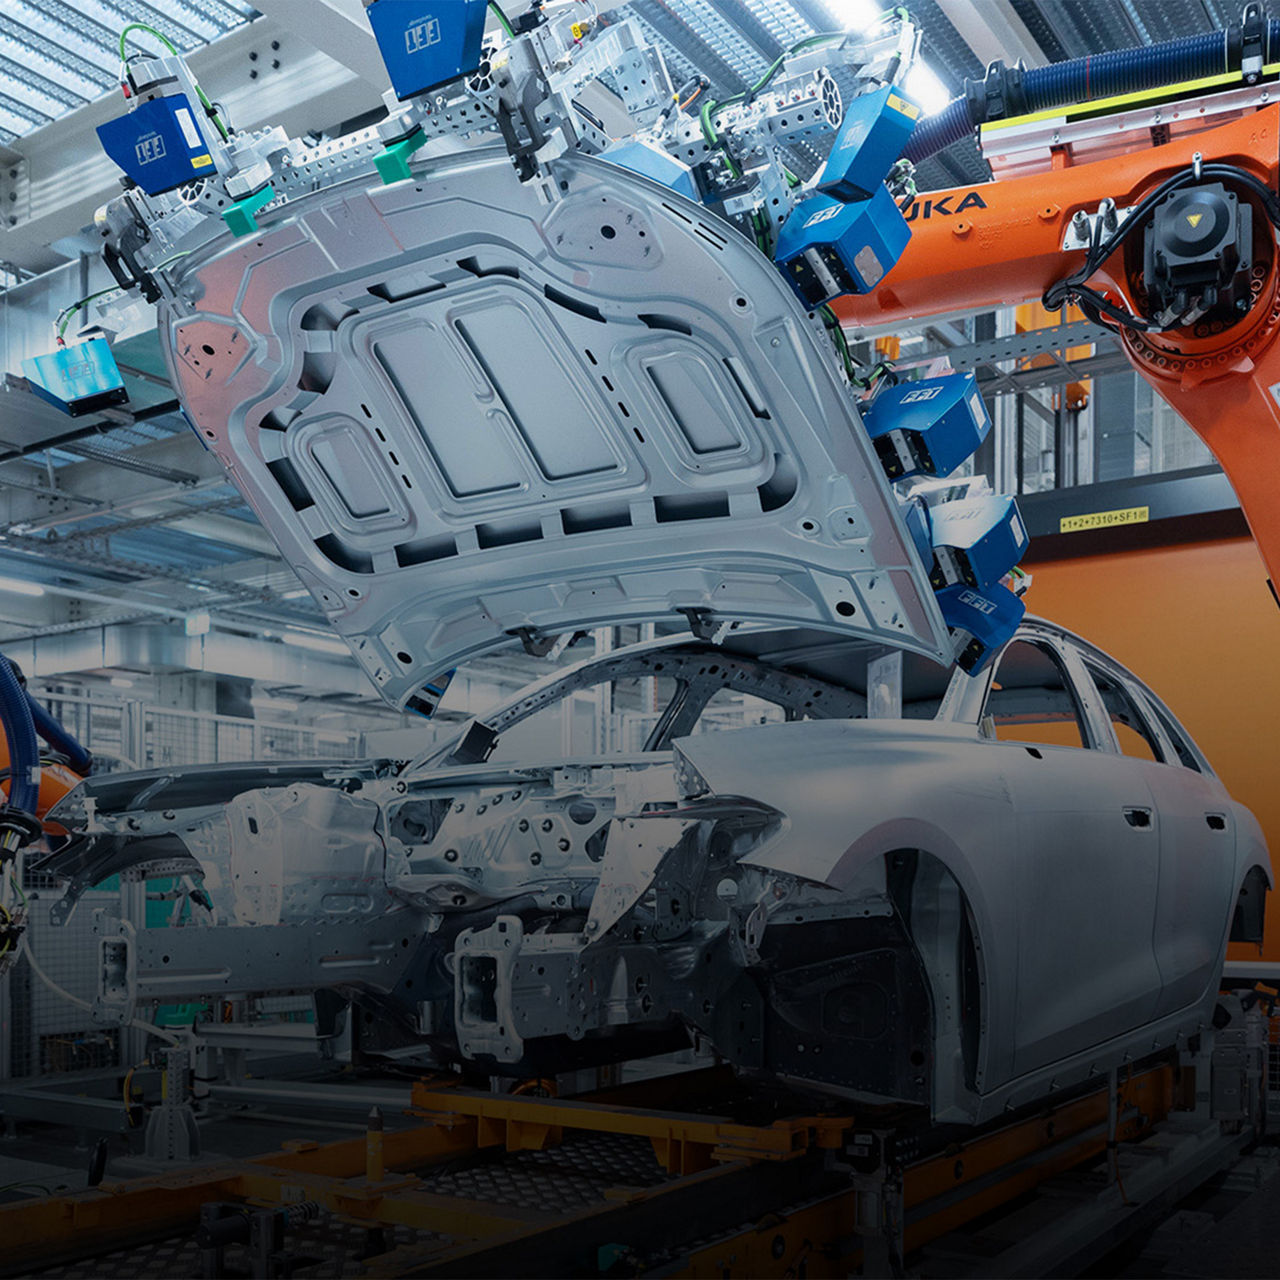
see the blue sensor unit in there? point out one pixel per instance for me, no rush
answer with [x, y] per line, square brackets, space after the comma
[427, 43]
[928, 427]
[827, 248]
[158, 144]
[77, 379]
[872, 136]
[982, 622]
[915, 515]
[652, 162]
[976, 541]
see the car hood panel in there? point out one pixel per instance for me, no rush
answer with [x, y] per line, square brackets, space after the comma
[467, 416]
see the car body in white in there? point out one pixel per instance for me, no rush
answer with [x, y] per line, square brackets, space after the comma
[904, 886]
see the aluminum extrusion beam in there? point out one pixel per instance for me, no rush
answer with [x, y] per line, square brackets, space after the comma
[993, 30]
[337, 28]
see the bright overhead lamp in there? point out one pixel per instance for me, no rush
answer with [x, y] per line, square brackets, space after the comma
[855, 15]
[121, 682]
[21, 587]
[274, 704]
[923, 85]
[319, 644]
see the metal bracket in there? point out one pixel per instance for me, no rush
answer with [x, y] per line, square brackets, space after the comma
[1079, 232]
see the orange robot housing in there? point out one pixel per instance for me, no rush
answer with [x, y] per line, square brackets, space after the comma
[1001, 243]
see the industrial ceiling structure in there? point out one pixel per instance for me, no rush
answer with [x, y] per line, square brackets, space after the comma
[124, 519]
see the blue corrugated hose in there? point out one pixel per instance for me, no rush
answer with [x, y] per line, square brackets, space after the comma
[78, 757]
[1103, 75]
[20, 733]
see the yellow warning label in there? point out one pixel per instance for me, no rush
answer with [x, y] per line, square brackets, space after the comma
[908, 109]
[199, 162]
[1104, 519]
[1194, 218]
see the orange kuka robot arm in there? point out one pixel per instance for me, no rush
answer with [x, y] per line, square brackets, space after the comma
[56, 781]
[1001, 243]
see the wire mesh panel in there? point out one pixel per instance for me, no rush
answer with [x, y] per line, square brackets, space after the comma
[176, 738]
[50, 1034]
[234, 740]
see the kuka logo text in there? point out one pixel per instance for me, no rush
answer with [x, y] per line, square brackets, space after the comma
[942, 205]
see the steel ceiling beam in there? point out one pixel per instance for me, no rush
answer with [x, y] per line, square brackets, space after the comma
[337, 28]
[994, 31]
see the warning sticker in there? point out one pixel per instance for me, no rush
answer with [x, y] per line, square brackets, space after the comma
[908, 109]
[1104, 519]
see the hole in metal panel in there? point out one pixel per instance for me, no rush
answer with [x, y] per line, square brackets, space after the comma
[291, 485]
[425, 550]
[318, 368]
[781, 486]
[591, 519]
[506, 535]
[473, 266]
[578, 307]
[278, 419]
[412, 286]
[665, 322]
[691, 506]
[337, 552]
[746, 384]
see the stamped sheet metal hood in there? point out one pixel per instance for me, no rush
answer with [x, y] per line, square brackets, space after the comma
[469, 416]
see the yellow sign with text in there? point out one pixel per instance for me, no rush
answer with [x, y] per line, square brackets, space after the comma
[1104, 519]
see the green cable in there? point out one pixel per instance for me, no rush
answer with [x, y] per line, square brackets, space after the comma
[173, 49]
[64, 316]
[503, 20]
[13, 881]
[836, 330]
[709, 107]
[150, 30]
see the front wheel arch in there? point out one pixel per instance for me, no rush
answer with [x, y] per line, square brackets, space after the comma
[1248, 918]
[942, 926]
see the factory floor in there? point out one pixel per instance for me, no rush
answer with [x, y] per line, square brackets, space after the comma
[1225, 1228]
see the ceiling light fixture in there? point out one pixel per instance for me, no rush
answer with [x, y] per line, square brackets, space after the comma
[855, 15]
[923, 84]
[21, 587]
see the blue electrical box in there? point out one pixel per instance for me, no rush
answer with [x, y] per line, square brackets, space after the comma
[983, 621]
[928, 427]
[652, 162]
[158, 144]
[427, 43]
[976, 541]
[872, 136]
[827, 248]
[77, 379]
